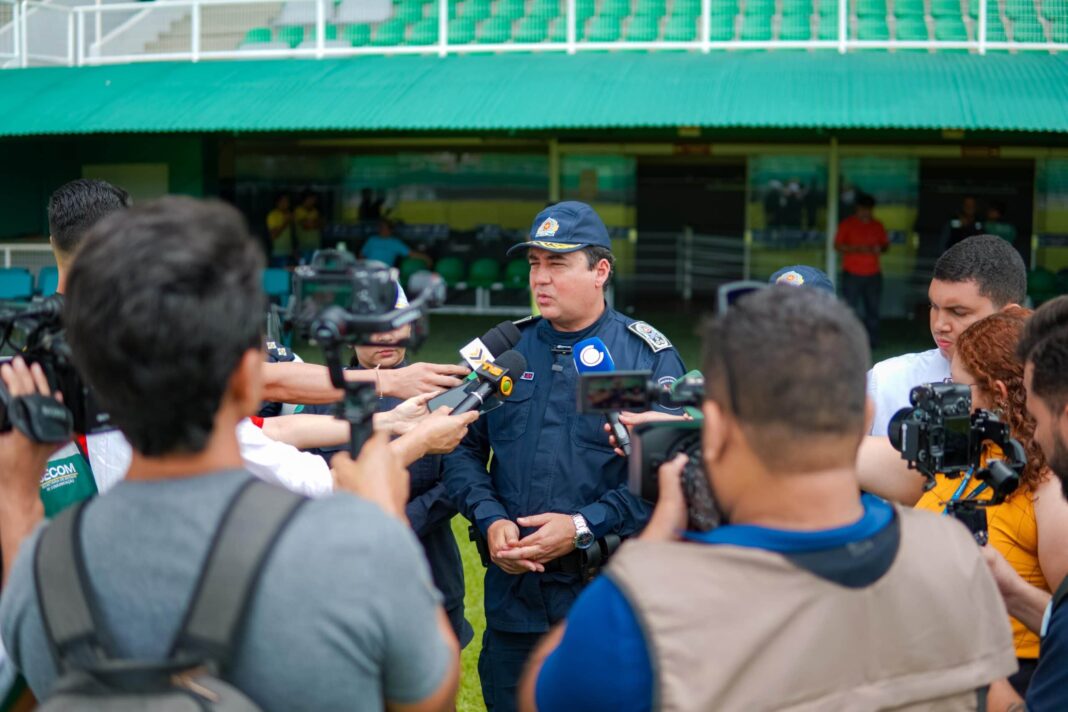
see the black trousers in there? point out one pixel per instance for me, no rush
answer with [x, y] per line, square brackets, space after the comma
[500, 666]
[863, 294]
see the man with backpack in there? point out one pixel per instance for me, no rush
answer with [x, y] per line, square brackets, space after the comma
[189, 579]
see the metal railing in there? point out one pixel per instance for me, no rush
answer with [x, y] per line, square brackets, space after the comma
[194, 30]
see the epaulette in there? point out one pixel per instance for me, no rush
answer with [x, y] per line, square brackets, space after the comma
[278, 353]
[527, 320]
[653, 338]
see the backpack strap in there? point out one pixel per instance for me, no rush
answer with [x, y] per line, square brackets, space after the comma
[68, 609]
[256, 516]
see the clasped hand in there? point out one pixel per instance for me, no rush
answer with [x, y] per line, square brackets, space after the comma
[555, 537]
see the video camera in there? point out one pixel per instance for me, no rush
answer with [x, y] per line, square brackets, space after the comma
[939, 434]
[35, 332]
[339, 302]
[656, 443]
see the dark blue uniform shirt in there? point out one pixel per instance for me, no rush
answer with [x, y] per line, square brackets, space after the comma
[549, 458]
[1049, 685]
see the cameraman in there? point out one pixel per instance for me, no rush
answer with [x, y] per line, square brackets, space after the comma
[1044, 351]
[177, 385]
[811, 594]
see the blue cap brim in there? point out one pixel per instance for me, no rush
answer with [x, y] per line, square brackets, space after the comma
[558, 247]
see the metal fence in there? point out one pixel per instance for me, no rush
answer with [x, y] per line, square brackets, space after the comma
[70, 32]
[28, 257]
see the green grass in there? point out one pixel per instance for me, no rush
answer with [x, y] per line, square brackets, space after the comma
[449, 333]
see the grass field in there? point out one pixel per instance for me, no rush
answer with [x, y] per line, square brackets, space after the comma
[449, 333]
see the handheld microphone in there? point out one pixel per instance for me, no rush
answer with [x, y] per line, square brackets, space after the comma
[497, 340]
[493, 379]
[591, 356]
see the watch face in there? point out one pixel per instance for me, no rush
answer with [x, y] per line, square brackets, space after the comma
[583, 539]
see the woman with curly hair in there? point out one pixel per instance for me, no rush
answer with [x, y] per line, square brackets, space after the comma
[1029, 530]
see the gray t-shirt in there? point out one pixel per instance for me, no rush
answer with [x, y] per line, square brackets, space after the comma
[343, 618]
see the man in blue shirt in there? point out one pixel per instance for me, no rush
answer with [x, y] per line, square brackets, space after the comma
[812, 595]
[385, 247]
[554, 485]
[1044, 351]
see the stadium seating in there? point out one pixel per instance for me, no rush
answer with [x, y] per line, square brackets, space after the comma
[408, 267]
[47, 281]
[484, 272]
[517, 274]
[494, 22]
[16, 283]
[451, 270]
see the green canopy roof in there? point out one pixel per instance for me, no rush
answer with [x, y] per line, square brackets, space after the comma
[546, 92]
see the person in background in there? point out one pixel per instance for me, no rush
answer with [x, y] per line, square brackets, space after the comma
[861, 239]
[995, 223]
[308, 226]
[386, 247]
[964, 225]
[370, 206]
[280, 232]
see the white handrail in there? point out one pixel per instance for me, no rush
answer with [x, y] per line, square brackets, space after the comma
[982, 25]
[572, 27]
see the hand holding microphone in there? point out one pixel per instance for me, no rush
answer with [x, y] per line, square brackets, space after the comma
[592, 356]
[493, 379]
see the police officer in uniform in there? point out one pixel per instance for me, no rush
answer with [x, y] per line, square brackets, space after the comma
[554, 489]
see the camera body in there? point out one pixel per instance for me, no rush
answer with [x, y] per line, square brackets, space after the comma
[939, 434]
[658, 442]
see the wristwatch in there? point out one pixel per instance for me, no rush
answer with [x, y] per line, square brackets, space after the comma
[583, 535]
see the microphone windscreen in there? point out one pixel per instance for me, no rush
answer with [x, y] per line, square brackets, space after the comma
[513, 361]
[501, 337]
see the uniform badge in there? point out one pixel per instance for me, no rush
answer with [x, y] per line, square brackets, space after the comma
[547, 228]
[527, 376]
[657, 341]
[791, 278]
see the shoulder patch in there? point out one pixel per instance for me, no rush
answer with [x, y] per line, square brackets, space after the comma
[657, 341]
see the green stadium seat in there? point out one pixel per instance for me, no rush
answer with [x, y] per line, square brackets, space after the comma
[615, 8]
[991, 9]
[796, 8]
[451, 270]
[945, 8]
[950, 29]
[389, 33]
[257, 35]
[532, 30]
[680, 28]
[512, 9]
[759, 8]
[871, 8]
[827, 8]
[1041, 285]
[408, 12]
[485, 272]
[546, 9]
[558, 30]
[47, 281]
[828, 28]
[1017, 10]
[461, 31]
[688, 8]
[424, 32]
[1055, 10]
[722, 29]
[476, 10]
[908, 8]
[409, 266]
[756, 28]
[995, 30]
[643, 28]
[604, 28]
[1028, 31]
[357, 35]
[496, 30]
[795, 28]
[292, 36]
[873, 29]
[1059, 31]
[912, 29]
[276, 285]
[517, 274]
[651, 8]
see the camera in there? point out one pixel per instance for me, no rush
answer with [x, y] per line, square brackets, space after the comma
[939, 434]
[35, 332]
[340, 302]
[658, 442]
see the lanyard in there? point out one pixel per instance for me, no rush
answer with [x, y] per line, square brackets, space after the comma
[964, 485]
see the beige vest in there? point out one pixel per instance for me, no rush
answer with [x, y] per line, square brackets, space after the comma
[734, 628]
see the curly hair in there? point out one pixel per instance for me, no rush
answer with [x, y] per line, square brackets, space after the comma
[987, 350]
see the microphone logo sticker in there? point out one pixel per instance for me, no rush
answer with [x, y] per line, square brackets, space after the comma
[591, 356]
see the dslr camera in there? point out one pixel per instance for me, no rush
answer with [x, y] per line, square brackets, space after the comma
[939, 434]
[339, 302]
[35, 332]
[658, 442]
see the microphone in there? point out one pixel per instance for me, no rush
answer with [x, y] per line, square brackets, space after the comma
[495, 341]
[493, 379]
[591, 356]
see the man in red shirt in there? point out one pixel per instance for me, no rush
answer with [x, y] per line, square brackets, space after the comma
[860, 240]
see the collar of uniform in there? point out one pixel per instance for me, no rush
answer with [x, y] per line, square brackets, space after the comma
[549, 335]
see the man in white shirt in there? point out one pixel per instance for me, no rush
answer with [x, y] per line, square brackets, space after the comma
[972, 280]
